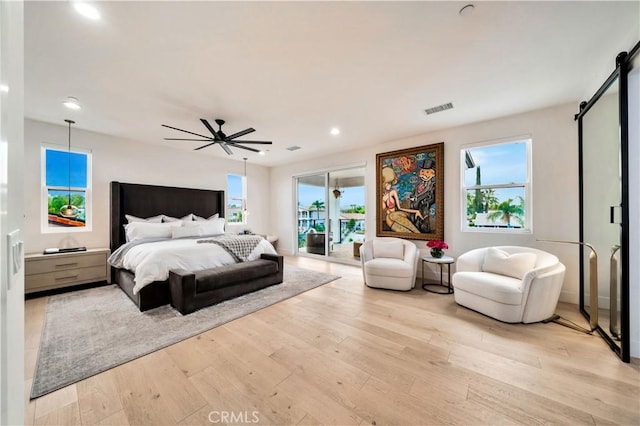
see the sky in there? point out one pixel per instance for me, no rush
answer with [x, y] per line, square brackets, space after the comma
[234, 189]
[57, 169]
[500, 164]
[503, 163]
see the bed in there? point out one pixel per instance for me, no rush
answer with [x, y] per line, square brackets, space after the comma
[147, 201]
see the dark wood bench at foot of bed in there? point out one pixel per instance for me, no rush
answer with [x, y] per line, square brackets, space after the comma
[195, 290]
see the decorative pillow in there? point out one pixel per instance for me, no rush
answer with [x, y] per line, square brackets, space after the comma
[185, 231]
[212, 226]
[154, 219]
[514, 265]
[139, 230]
[392, 249]
[215, 216]
[188, 218]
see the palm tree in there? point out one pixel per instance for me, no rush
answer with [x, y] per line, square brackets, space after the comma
[477, 201]
[470, 203]
[506, 211]
[318, 205]
[490, 198]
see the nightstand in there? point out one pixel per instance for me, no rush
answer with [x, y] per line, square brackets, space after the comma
[49, 271]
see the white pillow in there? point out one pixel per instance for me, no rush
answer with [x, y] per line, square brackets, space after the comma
[393, 249]
[514, 265]
[139, 230]
[215, 216]
[212, 226]
[154, 219]
[166, 218]
[185, 231]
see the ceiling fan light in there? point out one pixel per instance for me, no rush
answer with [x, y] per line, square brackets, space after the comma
[261, 153]
[219, 137]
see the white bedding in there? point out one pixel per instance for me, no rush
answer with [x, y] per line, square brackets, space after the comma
[152, 261]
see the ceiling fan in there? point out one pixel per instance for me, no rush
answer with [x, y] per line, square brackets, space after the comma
[219, 137]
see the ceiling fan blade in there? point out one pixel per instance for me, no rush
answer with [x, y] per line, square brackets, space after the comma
[226, 148]
[235, 145]
[256, 142]
[196, 140]
[211, 129]
[186, 131]
[204, 146]
[242, 133]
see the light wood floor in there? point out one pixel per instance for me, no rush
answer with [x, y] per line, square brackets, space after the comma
[347, 354]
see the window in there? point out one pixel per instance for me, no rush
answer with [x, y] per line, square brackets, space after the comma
[236, 199]
[66, 190]
[496, 186]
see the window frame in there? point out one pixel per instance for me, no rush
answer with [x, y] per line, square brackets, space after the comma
[527, 185]
[243, 203]
[44, 191]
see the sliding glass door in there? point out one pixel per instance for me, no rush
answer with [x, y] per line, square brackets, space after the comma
[312, 198]
[330, 218]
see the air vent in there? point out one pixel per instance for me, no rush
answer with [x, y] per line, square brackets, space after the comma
[293, 148]
[439, 108]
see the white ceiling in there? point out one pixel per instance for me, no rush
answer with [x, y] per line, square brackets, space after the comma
[293, 70]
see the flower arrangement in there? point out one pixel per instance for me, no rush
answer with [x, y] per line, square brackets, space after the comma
[437, 248]
[437, 244]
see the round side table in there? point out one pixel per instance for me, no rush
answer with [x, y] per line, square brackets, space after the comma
[438, 288]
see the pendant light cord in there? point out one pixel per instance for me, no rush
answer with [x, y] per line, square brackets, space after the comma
[244, 201]
[69, 161]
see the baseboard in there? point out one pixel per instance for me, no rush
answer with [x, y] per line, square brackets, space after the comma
[634, 348]
[569, 297]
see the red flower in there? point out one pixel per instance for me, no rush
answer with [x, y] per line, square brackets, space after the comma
[437, 244]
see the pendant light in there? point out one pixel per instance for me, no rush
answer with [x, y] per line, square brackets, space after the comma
[69, 211]
[245, 212]
[336, 192]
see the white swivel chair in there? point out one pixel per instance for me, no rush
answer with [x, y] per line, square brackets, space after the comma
[510, 284]
[389, 263]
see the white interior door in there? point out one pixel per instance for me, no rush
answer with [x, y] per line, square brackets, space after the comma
[11, 213]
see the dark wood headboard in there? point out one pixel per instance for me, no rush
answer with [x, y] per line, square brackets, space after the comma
[150, 200]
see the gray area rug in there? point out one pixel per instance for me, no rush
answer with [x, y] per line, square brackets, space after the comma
[90, 331]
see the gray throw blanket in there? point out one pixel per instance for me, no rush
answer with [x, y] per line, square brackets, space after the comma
[238, 246]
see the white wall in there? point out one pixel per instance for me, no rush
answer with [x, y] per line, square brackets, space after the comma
[121, 160]
[555, 185]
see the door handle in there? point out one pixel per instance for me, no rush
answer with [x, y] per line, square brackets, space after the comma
[613, 218]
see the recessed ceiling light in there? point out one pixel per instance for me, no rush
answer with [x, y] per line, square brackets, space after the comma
[4, 88]
[261, 153]
[87, 10]
[466, 10]
[335, 131]
[72, 103]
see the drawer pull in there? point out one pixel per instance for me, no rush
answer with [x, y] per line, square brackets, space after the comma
[69, 277]
[66, 264]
